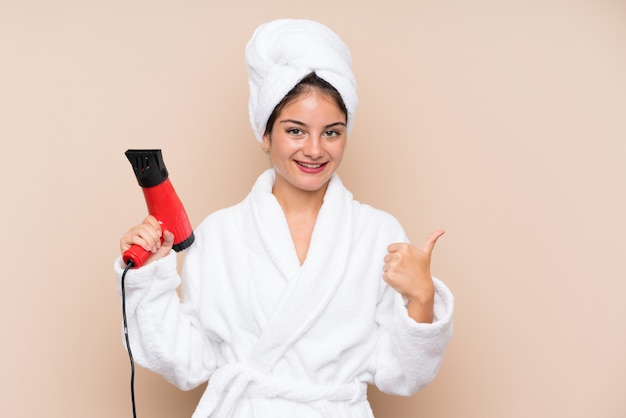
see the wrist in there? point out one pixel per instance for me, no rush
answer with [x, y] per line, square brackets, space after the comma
[420, 307]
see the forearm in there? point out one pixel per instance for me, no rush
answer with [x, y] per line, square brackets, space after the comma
[411, 353]
[163, 335]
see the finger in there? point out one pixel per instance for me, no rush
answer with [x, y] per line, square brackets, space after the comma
[390, 256]
[148, 232]
[125, 242]
[396, 246]
[166, 246]
[136, 236]
[428, 246]
[147, 245]
[154, 223]
[145, 236]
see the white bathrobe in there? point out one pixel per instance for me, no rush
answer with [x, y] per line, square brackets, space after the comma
[275, 338]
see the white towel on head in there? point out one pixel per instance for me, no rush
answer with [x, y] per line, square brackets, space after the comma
[284, 51]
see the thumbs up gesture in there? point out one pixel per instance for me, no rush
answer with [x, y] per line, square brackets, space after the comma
[407, 270]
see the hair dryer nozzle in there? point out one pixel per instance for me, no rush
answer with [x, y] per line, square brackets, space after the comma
[148, 166]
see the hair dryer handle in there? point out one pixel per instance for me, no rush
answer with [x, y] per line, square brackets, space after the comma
[137, 255]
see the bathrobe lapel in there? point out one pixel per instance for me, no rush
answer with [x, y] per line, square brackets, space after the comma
[310, 287]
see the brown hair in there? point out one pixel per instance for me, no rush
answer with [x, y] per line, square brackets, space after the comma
[311, 82]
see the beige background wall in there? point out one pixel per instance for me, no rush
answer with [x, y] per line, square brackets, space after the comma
[503, 122]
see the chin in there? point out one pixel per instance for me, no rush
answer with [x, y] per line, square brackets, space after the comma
[306, 182]
[313, 186]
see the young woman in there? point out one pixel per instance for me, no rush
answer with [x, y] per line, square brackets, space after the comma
[299, 296]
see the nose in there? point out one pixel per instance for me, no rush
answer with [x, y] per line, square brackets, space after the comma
[312, 147]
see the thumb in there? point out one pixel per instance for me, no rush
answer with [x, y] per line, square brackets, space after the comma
[164, 249]
[428, 246]
[168, 240]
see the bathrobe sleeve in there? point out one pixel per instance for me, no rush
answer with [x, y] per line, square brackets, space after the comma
[409, 354]
[165, 334]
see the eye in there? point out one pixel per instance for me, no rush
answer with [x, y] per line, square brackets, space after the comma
[332, 134]
[294, 131]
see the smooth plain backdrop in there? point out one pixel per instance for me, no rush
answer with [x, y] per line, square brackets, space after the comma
[502, 122]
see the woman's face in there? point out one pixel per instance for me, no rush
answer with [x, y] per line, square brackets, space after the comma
[307, 142]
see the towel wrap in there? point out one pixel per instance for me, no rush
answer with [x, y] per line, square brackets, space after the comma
[281, 53]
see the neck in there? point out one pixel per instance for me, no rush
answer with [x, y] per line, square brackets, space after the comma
[295, 201]
[301, 208]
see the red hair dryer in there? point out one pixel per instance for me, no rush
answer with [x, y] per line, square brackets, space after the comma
[162, 201]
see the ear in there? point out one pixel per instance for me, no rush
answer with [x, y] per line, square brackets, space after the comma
[266, 142]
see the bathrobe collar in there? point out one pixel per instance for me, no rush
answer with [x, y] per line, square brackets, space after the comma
[310, 286]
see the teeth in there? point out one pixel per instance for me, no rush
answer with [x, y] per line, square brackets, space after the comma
[309, 165]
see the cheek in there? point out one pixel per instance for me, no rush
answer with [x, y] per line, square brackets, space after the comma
[338, 150]
[283, 146]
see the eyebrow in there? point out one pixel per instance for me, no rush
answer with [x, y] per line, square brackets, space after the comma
[299, 123]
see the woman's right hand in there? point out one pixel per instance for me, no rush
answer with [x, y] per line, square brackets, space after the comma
[148, 236]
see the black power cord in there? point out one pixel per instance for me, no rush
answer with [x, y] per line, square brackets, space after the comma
[130, 353]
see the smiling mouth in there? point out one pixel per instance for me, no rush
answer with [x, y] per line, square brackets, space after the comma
[309, 165]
